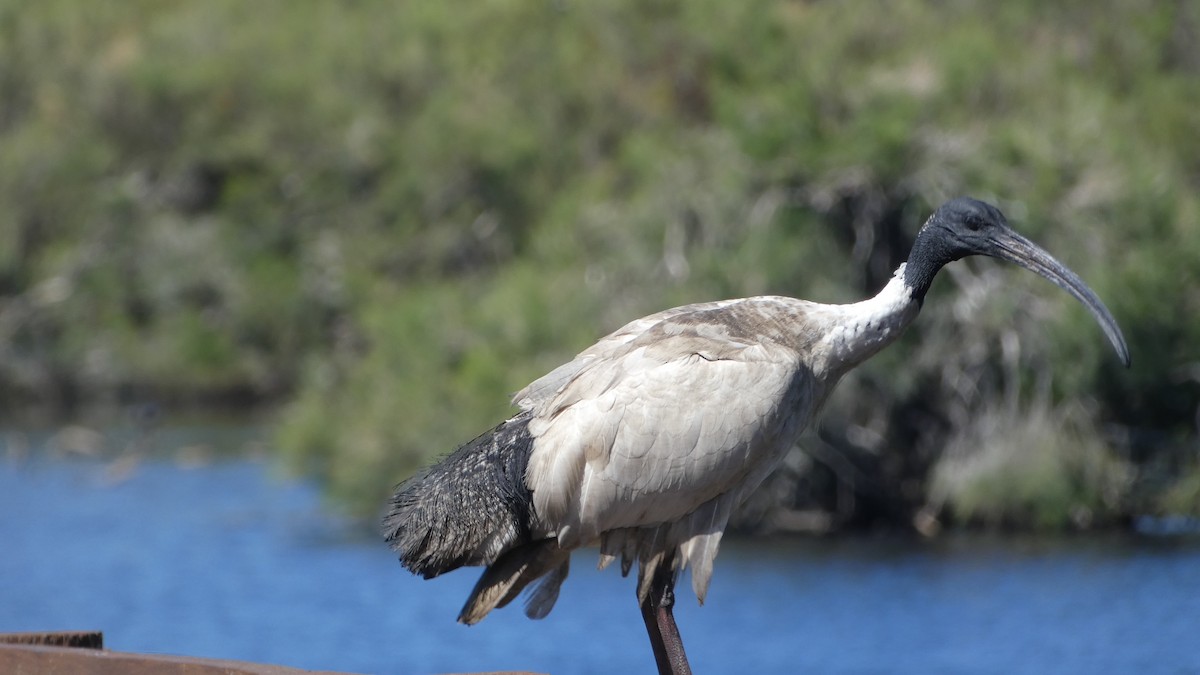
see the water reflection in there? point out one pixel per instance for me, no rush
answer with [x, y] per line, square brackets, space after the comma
[205, 553]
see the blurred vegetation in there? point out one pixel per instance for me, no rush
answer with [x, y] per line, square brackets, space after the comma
[389, 215]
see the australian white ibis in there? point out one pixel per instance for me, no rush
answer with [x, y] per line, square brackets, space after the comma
[646, 441]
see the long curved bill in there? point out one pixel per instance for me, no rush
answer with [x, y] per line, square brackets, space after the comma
[1014, 248]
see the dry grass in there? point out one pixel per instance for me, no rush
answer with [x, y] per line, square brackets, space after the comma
[1033, 466]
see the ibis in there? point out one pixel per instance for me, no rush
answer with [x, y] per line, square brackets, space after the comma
[645, 442]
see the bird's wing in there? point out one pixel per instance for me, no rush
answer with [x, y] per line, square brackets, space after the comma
[546, 387]
[653, 427]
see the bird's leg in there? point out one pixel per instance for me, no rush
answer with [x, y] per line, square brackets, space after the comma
[660, 622]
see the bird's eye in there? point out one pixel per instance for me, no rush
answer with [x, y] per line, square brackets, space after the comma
[973, 223]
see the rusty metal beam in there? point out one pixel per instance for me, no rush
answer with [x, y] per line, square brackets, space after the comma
[82, 653]
[19, 659]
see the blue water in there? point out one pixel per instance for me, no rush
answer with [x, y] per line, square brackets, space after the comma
[215, 556]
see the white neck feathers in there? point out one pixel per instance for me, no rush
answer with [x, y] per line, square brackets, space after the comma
[863, 328]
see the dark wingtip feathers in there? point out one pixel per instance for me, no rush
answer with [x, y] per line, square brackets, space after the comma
[409, 530]
[468, 508]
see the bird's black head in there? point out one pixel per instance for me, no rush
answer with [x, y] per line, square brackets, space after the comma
[959, 228]
[965, 226]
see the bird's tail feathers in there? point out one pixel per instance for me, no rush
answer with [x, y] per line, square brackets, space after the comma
[512, 573]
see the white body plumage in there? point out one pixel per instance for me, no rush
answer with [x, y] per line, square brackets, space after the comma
[646, 441]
